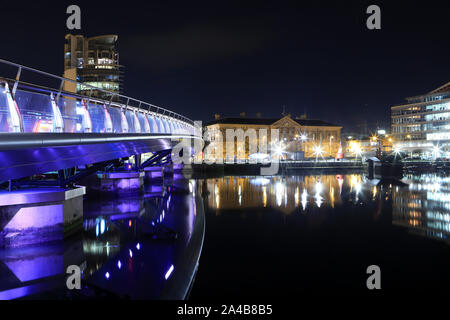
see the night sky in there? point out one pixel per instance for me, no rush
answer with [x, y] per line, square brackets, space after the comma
[202, 58]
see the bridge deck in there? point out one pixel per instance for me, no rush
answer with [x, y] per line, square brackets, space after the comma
[22, 155]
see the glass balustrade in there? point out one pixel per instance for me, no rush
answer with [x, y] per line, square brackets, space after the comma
[36, 112]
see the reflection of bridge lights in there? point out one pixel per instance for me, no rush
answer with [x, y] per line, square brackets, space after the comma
[119, 264]
[107, 275]
[131, 253]
[169, 272]
[138, 246]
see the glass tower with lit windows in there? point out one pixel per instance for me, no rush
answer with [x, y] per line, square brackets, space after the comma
[96, 62]
[423, 123]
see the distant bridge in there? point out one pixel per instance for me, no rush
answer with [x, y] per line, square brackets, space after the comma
[44, 128]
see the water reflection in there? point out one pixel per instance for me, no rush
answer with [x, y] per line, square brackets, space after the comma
[420, 202]
[424, 206]
[288, 193]
[130, 247]
[120, 254]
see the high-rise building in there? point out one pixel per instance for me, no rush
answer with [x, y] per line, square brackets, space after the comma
[422, 125]
[93, 61]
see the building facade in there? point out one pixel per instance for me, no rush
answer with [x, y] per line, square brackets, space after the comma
[423, 124]
[368, 146]
[93, 61]
[298, 138]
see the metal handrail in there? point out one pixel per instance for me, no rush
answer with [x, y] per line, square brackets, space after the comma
[127, 98]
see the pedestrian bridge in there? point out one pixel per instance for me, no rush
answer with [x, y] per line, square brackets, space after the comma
[44, 128]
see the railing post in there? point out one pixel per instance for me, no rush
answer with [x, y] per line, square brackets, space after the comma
[16, 83]
[110, 101]
[89, 97]
[60, 90]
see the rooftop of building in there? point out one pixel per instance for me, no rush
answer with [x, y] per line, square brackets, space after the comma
[269, 121]
[106, 38]
[444, 89]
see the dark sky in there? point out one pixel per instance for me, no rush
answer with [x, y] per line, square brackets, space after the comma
[201, 58]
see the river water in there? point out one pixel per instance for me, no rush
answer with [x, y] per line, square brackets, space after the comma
[286, 235]
[265, 237]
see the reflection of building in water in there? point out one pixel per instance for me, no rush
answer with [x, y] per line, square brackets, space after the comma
[284, 193]
[424, 206]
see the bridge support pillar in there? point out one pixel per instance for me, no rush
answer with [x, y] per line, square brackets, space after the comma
[168, 170]
[37, 215]
[120, 182]
[154, 173]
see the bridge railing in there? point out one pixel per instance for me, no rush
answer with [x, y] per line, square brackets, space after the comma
[30, 108]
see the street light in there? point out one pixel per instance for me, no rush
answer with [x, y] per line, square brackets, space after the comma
[436, 152]
[318, 151]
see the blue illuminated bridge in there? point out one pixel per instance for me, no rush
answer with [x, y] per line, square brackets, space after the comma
[57, 148]
[44, 129]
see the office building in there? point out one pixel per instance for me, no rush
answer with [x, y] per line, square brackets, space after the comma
[422, 125]
[93, 61]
